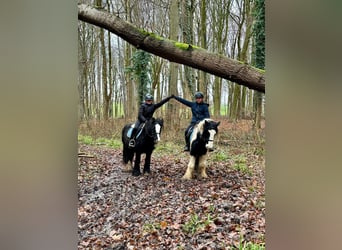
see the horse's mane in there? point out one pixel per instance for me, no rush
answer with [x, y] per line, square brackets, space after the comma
[200, 126]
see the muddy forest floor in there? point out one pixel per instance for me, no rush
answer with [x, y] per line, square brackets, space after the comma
[162, 211]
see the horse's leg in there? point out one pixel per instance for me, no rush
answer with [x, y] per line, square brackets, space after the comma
[190, 170]
[147, 163]
[127, 158]
[202, 166]
[136, 169]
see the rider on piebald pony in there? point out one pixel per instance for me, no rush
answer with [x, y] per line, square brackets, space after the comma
[199, 111]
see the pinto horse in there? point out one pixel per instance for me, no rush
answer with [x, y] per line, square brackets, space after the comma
[146, 139]
[201, 140]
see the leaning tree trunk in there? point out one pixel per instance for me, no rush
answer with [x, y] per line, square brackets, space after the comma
[182, 53]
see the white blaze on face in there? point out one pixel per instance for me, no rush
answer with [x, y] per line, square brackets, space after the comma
[158, 128]
[210, 143]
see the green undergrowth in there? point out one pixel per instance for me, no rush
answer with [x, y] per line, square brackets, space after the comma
[167, 148]
[196, 223]
[219, 155]
[240, 164]
[88, 140]
[250, 245]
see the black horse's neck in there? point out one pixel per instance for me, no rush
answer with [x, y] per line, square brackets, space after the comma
[149, 127]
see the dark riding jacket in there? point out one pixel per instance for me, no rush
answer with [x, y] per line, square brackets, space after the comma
[146, 111]
[199, 111]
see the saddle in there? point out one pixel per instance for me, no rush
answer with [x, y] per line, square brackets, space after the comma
[139, 130]
[189, 133]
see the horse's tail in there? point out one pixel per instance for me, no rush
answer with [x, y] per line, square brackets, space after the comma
[126, 154]
[123, 133]
[124, 136]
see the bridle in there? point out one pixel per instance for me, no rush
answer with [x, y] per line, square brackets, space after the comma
[151, 129]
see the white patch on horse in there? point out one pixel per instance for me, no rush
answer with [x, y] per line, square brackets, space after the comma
[210, 143]
[190, 170]
[158, 128]
[202, 163]
[198, 128]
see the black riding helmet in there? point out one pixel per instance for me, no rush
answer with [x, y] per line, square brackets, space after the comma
[148, 97]
[199, 95]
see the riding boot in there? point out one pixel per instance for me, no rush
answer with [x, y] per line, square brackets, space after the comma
[187, 142]
[131, 143]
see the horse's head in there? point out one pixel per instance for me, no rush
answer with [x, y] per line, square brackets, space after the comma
[155, 127]
[158, 125]
[210, 127]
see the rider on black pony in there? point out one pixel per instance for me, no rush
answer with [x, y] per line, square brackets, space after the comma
[146, 112]
[199, 111]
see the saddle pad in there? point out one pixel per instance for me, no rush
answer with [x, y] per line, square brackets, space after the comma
[190, 133]
[129, 132]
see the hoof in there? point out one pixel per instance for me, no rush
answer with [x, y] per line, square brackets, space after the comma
[127, 168]
[203, 176]
[147, 172]
[134, 173]
[186, 178]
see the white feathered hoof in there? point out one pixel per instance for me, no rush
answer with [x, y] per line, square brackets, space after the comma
[187, 176]
[128, 167]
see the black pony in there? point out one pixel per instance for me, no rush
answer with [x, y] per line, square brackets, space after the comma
[201, 140]
[145, 144]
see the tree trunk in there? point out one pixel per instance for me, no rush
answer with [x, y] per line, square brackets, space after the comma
[186, 54]
[187, 12]
[173, 77]
[202, 79]
[259, 53]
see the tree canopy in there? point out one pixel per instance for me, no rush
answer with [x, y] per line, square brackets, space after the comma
[174, 51]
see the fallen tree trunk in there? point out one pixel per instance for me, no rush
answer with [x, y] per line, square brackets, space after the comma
[173, 51]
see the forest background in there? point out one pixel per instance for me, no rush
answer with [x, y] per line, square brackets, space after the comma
[39, 124]
[114, 76]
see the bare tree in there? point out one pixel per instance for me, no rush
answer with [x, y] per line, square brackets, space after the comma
[173, 76]
[186, 54]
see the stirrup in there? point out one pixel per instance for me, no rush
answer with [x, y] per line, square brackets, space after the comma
[131, 143]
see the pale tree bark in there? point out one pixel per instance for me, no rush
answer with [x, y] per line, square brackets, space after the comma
[202, 81]
[186, 54]
[106, 94]
[248, 10]
[173, 121]
[244, 23]
[186, 24]
[220, 26]
[131, 109]
[87, 51]
[98, 113]
[236, 102]
[82, 64]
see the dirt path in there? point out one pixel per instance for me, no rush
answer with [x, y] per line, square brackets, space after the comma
[161, 211]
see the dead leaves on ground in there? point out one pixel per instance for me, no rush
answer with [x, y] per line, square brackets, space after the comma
[161, 211]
